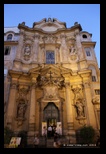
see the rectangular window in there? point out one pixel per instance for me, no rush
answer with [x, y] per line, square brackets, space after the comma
[7, 50]
[93, 78]
[88, 53]
[50, 57]
[97, 91]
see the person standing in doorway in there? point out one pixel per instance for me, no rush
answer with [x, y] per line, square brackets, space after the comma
[36, 141]
[49, 131]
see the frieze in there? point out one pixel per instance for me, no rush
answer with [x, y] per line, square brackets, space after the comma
[49, 39]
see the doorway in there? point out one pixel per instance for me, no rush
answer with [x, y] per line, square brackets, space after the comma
[51, 115]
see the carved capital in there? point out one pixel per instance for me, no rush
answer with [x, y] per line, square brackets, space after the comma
[36, 36]
[62, 36]
[13, 85]
[76, 88]
[67, 84]
[22, 32]
[33, 86]
[42, 45]
[87, 84]
[57, 45]
[23, 88]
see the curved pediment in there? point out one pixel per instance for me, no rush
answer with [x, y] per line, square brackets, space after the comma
[57, 70]
[50, 75]
[49, 25]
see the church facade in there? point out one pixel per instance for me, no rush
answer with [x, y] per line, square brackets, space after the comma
[51, 77]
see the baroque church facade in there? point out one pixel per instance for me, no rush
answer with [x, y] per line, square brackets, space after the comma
[51, 76]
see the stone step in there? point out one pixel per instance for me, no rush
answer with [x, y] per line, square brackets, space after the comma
[50, 143]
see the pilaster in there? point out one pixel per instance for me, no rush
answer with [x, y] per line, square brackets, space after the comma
[89, 106]
[31, 131]
[70, 122]
[11, 104]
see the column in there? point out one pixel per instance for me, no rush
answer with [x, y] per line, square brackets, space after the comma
[32, 110]
[69, 107]
[70, 123]
[91, 120]
[11, 104]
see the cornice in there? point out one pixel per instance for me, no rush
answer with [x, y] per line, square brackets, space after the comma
[26, 28]
[88, 43]
[14, 74]
[10, 42]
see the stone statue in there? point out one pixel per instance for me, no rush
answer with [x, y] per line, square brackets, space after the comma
[79, 108]
[21, 109]
[27, 52]
[73, 50]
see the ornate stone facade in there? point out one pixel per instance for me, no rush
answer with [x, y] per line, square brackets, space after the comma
[51, 78]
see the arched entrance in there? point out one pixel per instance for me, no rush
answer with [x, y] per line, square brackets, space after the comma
[51, 114]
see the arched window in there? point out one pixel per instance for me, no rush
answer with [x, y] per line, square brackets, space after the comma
[9, 37]
[84, 36]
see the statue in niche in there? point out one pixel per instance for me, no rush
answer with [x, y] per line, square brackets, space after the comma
[73, 50]
[78, 93]
[27, 52]
[79, 108]
[21, 108]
